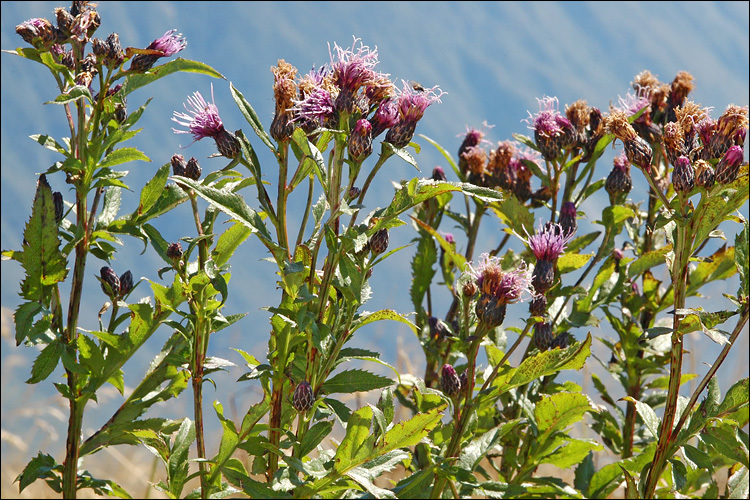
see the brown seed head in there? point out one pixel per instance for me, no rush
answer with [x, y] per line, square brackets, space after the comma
[617, 124]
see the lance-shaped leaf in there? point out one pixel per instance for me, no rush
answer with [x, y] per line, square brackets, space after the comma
[422, 270]
[152, 191]
[251, 116]
[122, 155]
[42, 260]
[367, 317]
[355, 381]
[138, 80]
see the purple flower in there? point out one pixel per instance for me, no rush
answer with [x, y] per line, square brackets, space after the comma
[548, 242]
[633, 103]
[552, 130]
[412, 103]
[168, 45]
[438, 174]
[506, 286]
[385, 116]
[206, 122]
[318, 108]
[360, 141]
[353, 67]
[38, 32]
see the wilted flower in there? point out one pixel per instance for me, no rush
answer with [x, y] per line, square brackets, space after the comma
[206, 122]
[704, 174]
[472, 138]
[38, 32]
[731, 130]
[284, 91]
[411, 107]
[174, 251]
[167, 45]
[303, 398]
[178, 165]
[450, 382]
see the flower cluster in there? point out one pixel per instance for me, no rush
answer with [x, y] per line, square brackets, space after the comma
[553, 132]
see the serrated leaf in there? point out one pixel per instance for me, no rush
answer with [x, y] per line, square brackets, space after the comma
[401, 153]
[557, 411]
[647, 414]
[39, 467]
[42, 241]
[725, 440]
[422, 269]
[738, 484]
[736, 396]
[367, 317]
[314, 436]
[570, 262]
[355, 381]
[515, 215]
[136, 81]
[75, 93]
[572, 453]
[178, 464]
[46, 362]
[356, 445]
[648, 260]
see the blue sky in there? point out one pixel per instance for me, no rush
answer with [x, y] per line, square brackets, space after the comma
[493, 59]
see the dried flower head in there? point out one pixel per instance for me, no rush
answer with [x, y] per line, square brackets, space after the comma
[285, 91]
[704, 174]
[492, 280]
[38, 32]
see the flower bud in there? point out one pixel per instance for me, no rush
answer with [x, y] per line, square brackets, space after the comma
[538, 305]
[126, 283]
[540, 196]
[192, 169]
[639, 153]
[401, 133]
[683, 177]
[568, 218]
[561, 341]
[227, 144]
[174, 251]
[449, 380]
[704, 174]
[360, 141]
[438, 330]
[544, 275]
[379, 242]
[490, 310]
[38, 32]
[57, 198]
[438, 174]
[543, 336]
[353, 193]
[178, 165]
[619, 183]
[729, 165]
[469, 289]
[110, 282]
[303, 398]
[64, 21]
[464, 378]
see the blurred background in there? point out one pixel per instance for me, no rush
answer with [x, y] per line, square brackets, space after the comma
[492, 60]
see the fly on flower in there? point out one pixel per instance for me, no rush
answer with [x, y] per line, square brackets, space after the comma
[417, 86]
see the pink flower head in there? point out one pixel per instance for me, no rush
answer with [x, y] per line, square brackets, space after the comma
[205, 120]
[169, 43]
[317, 107]
[633, 103]
[413, 103]
[385, 116]
[548, 242]
[353, 67]
[548, 122]
[621, 163]
[504, 286]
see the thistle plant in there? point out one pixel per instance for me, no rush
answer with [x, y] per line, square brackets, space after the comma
[488, 412]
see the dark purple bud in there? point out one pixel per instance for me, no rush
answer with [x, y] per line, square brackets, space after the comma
[192, 169]
[438, 174]
[379, 242]
[110, 282]
[683, 177]
[401, 133]
[115, 55]
[490, 310]
[174, 251]
[704, 174]
[729, 165]
[543, 336]
[227, 144]
[38, 32]
[57, 198]
[303, 398]
[561, 341]
[568, 218]
[619, 182]
[544, 275]
[126, 283]
[360, 141]
[449, 380]
[464, 378]
[353, 193]
[538, 305]
[178, 165]
[639, 153]
[438, 329]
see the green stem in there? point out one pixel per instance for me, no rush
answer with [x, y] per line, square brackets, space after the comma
[302, 226]
[282, 197]
[666, 438]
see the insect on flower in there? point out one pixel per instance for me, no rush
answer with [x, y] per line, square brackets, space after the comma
[417, 86]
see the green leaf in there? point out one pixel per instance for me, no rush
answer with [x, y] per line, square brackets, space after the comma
[736, 397]
[46, 362]
[603, 481]
[719, 266]
[572, 453]
[110, 207]
[75, 93]
[742, 259]
[39, 467]
[356, 446]
[178, 464]
[545, 363]
[251, 116]
[314, 436]
[401, 153]
[48, 266]
[367, 317]
[738, 484]
[515, 215]
[422, 270]
[153, 189]
[122, 155]
[570, 262]
[49, 143]
[355, 381]
[584, 472]
[310, 157]
[228, 242]
[233, 205]
[647, 414]
[557, 411]
[136, 81]
[648, 260]
[725, 440]
[714, 209]
[476, 450]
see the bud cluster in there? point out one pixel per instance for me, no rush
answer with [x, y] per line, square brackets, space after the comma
[113, 287]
